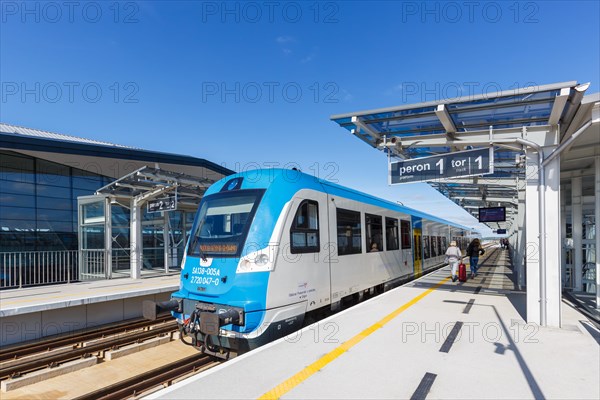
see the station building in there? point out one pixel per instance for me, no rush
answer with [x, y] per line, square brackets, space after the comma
[44, 230]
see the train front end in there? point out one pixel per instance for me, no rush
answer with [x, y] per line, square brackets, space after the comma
[221, 302]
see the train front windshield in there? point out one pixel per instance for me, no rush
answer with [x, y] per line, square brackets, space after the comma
[223, 223]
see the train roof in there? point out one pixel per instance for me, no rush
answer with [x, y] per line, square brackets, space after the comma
[281, 177]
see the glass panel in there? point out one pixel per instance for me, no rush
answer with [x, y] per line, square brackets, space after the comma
[391, 234]
[374, 234]
[405, 234]
[16, 200]
[90, 184]
[93, 212]
[93, 237]
[17, 235]
[305, 229]
[17, 187]
[54, 191]
[49, 173]
[18, 213]
[44, 214]
[348, 232]
[426, 248]
[16, 168]
[120, 215]
[224, 221]
[56, 203]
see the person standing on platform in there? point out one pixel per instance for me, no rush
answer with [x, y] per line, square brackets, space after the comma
[474, 250]
[453, 257]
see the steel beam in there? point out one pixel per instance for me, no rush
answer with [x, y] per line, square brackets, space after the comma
[559, 106]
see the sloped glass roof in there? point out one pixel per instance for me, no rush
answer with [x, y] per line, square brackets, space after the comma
[424, 123]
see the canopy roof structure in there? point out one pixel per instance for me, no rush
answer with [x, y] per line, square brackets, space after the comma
[491, 119]
[153, 182]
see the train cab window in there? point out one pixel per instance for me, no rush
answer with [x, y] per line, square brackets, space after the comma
[348, 232]
[304, 233]
[374, 232]
[391, 234]
[405, 234]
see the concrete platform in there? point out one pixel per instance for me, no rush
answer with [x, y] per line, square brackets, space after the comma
[36, 312]
[399, 345]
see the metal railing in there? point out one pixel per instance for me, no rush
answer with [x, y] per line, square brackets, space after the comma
[19, 269]
[92, 265]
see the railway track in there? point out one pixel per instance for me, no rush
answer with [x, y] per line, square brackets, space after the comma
[156, 378]
[73, 348]
[24, 350]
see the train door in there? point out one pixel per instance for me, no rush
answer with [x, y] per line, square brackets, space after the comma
[417, 245]
[302, 272]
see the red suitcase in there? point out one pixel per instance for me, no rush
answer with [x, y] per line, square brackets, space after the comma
[462, 272]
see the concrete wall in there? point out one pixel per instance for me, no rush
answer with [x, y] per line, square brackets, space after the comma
[36, 325]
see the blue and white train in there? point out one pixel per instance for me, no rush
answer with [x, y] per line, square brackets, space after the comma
[271, 247]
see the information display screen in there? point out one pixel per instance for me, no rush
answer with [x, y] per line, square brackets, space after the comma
[492, 214]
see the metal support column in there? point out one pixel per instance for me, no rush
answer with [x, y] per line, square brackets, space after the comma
[532, 235]
[597, 222]
[576, 220]
[166, 246]
[552, 259]
[520, 247]
[136, 239]
[107, 239]
[563, 239]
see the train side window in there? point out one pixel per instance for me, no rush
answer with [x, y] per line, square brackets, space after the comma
[374, 235]
[348, 232]
[391, 234]
[405, 234]
[304, 233]
[426, 248]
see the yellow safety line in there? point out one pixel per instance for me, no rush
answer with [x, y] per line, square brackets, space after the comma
[307, 372]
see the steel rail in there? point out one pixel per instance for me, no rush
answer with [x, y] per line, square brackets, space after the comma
[153, 378]
[12, 353]
[17, 368]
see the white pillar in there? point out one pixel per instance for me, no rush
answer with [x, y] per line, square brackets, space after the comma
[166, 243]
[520, 247]
[136, 244]
[563, 234]
[597, 222]
[576, 219]
[531, 242]
[553, 244]
[107, 238]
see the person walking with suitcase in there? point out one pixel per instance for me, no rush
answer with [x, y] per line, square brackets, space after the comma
[453, 257]
[474, 250]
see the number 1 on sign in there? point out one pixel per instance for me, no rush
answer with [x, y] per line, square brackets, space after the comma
[479, 162]
[441, 165]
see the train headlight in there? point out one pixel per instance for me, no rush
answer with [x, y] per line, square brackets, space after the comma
[261, 259]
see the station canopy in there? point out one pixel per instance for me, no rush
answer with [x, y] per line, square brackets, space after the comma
[153, 182]
[471, 122]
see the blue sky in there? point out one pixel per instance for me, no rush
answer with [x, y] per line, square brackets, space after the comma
[248, 84]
